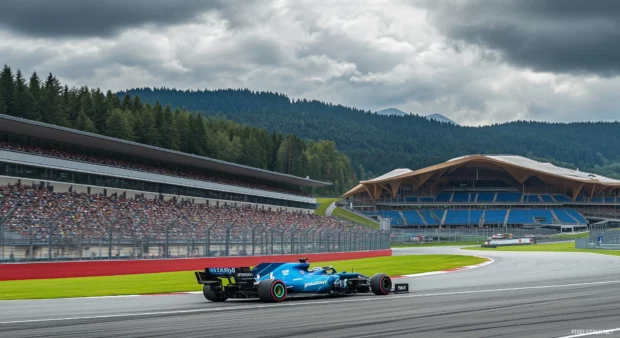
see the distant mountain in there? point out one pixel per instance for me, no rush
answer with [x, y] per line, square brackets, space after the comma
[441, 118]
[380, 143]
[392, 111]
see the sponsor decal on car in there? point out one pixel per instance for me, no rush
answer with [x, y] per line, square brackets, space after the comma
[284, 272]
[245, 274]
[318, 282]
[301, 272]
[221, 271]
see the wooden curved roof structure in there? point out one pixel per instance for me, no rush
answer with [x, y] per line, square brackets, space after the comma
[518, 167]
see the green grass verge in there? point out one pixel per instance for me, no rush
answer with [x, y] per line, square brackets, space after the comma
[572, 236]
[324, 204]
[420, 245]
[349, 216]
[185, 281]
[551, 247]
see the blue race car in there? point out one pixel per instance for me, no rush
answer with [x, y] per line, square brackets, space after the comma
[274, 282]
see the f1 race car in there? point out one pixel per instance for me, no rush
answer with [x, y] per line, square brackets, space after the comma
[274, 282]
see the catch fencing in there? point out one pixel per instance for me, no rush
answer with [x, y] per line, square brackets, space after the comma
[181, 238]
[463, 235]
[604, 239]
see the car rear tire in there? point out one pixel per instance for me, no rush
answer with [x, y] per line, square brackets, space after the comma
[214, 296]
[381, 284]
[272, 290]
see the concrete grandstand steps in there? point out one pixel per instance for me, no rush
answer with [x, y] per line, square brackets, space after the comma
[476, 198]
[443, 218]
[481, 221]
[506, 217]
[421, 216]
[403, 217]
[556, 220]
[571, 216]
[494, 197]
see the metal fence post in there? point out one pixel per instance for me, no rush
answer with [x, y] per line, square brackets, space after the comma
[293, 229]
[227, 248]
[253, 238]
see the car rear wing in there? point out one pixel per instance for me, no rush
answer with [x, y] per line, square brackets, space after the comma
[213, 275]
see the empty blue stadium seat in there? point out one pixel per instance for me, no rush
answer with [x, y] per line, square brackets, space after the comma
[544, 216]
[427, 199]
[495, 216]
[546, 198]
[461, 197]
[564, 217]
[393, 215]
[520, 216]
[508, 197]
[412, 217]
[463, 217]
[430, 218]
[610, 199]
[576, 215]
[444, 197]
[532, 198]
[561, 198]
[486, 196]
[413, 199]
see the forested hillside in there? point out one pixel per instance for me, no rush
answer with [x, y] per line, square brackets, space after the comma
[382, 143]
[130, 118]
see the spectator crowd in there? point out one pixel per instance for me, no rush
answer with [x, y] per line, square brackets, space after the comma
[66, 155]
[35, 212]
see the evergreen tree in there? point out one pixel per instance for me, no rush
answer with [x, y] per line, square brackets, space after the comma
[118, 126]
[84, 123]
[23, 100]
[34, 89]
[7, 89]
[2, 105]
[53, 112]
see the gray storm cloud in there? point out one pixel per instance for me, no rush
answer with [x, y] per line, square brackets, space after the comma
[568, 36]
[85, 18]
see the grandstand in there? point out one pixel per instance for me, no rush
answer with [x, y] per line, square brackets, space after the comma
[67, 194]
[67, 159]
[486, 191]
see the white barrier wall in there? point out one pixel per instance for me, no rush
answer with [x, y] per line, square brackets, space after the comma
[522, 241]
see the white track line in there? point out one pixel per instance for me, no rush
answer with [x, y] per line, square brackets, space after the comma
[593, 332]
[350, 300]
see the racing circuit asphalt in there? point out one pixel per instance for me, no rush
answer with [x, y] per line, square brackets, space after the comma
[522, 294]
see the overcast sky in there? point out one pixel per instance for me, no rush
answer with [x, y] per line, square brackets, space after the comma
[477, 62]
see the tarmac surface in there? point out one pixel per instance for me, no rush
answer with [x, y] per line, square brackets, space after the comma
[522, 294]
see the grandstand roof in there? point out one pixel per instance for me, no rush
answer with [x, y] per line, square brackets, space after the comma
[518, 167]
[71, 136]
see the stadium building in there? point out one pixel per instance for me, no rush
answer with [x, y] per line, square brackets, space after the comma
[487, 191]
[65, 160]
